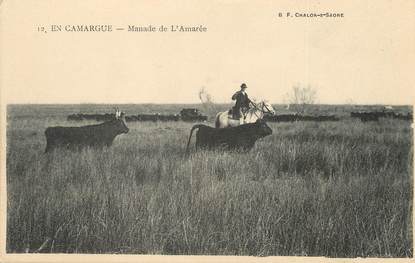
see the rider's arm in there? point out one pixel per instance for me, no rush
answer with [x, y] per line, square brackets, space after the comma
[249, 101]
[235, 96]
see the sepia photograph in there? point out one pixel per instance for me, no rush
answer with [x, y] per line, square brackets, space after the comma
[220, 128]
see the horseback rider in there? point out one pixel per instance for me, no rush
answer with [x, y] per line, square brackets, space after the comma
[241, 105]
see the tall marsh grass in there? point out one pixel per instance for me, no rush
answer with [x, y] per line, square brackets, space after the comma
[341, 189]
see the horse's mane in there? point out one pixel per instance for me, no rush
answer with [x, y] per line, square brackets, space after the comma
[258, 105]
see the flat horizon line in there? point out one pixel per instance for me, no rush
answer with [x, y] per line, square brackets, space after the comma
[193, 103]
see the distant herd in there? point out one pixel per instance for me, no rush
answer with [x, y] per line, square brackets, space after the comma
[196, 116]
[242, 137]
[184, 115]
[375, 115]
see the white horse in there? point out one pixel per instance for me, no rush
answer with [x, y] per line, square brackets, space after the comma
[256, 111]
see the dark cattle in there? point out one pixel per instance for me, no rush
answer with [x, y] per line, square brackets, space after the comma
[408, 116]
[241, 137]
[141, 117]
[130, 118]
[297, 117]
[95, 117]
[98, 135]
[74, 117]
[192, 115]
[369, 117]
[375, 115]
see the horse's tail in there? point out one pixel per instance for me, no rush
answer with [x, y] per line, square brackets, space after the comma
[190, 136]
[217, 120]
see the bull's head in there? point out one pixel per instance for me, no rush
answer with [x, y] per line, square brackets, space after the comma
[120, 117]
[263, 128]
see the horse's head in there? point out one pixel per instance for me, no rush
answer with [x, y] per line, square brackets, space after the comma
[266, 107]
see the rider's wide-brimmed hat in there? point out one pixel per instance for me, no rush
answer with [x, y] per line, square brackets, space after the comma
[244, 86]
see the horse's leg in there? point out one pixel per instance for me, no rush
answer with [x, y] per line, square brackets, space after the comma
[251, 118]
[241, 117]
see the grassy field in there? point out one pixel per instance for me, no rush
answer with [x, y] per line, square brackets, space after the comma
[338, 189]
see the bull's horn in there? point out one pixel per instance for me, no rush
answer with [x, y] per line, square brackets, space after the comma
[117, 113]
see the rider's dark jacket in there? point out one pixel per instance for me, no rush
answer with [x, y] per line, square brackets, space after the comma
[242, 100]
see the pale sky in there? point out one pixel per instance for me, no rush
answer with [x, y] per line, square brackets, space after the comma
[367, 57]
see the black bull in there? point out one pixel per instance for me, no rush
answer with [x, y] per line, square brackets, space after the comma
[241, 137]
[98, 135]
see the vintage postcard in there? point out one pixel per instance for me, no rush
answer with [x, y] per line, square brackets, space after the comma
[206, 130]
